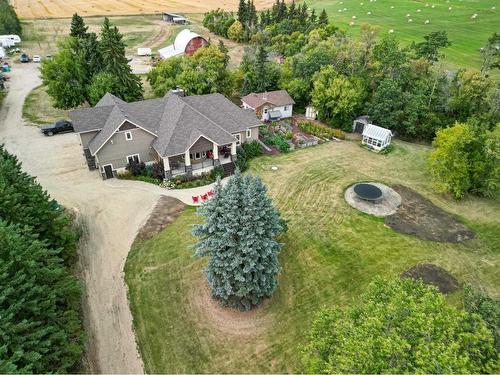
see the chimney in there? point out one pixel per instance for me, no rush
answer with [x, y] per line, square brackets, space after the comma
[179, 92]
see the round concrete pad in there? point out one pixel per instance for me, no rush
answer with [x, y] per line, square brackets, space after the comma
[388, 205]
[434, 275]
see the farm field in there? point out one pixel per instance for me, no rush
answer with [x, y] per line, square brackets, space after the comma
[331, 253]
[28, 9]
[466, 34]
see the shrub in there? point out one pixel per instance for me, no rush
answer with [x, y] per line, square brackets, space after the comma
[241, 159]
[279, 142]
[320, 130]
[252, 149]
[135, 168]
[486, 307]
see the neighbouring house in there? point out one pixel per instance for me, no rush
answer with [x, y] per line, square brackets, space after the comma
[188, 135]
[269, 106]
[376, 137]
[186, 43]
[359, 124]
[174, 18]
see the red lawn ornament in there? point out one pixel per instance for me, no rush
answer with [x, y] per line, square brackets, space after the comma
[195, 199]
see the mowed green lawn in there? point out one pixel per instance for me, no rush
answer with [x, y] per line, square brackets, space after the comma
[466, 34]
[330, 254]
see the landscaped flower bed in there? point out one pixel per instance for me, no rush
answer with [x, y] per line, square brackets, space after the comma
[319, 130]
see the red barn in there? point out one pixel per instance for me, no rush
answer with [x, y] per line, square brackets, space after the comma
[186, 42]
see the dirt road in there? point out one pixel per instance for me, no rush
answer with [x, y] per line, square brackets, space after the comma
[112, 211]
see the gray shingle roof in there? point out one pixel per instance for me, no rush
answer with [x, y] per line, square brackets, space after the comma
[277, 98]
[177, 121]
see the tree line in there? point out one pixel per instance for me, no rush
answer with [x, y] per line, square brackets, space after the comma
[40, 325]
[9, 22]
[86, 67]
[248, 25]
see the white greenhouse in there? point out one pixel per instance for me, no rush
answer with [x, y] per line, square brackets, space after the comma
[376, 137]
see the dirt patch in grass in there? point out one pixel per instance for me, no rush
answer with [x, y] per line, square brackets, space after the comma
[433, 275]
[224, 320]
[418, 216]
[165, 212]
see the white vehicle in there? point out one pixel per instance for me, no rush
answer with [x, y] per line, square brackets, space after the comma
[2, 53]
[6, 42]
[144, 51]
[14, 38]
[36, 58]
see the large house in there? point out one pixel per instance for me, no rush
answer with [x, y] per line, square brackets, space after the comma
[269, 106]
[186, 43]
[188, 135]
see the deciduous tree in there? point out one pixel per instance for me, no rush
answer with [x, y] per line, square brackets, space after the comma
[399, 326]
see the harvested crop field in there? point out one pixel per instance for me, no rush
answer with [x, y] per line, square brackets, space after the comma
[29, 9]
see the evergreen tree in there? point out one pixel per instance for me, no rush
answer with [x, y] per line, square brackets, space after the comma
[252, 14]
[261, 78]
[78, 28]
[323, 18]
[239, 238]
[114, 62]
[242, 12]
[24, 202]
[313, 17]
[225, 51]
[9, 22]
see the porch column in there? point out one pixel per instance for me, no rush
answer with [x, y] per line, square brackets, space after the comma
[215, 152]
[233, 151]
[166, 168]
[187, 162]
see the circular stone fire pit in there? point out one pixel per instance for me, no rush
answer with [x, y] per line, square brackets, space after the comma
[368, 192]
[373, 198]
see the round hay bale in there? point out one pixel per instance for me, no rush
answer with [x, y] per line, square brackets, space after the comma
[433, 275]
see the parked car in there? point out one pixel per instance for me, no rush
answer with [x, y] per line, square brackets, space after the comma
[48, 57]
[24, 58]
[61, 126]
[37, 58]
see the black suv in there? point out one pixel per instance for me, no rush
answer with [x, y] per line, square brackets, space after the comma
[60, 126]
[24, 58]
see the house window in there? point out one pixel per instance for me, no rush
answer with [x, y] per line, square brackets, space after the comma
[238, 139]
[286, 108]
[249, 133]
[133, 159]
[197, 156]
[128, 136]
[265, 110]
[204, 154]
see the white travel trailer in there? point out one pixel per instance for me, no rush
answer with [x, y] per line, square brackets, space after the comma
[6, 43]
[13, 38]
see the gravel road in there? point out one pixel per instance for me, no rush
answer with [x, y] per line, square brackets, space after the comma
[112, 211]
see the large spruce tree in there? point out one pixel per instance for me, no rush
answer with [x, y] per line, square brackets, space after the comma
[78, 28]
[9, 22]
[114, 62]
[239, 238]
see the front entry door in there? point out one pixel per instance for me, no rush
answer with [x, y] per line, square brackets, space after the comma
[108, 171]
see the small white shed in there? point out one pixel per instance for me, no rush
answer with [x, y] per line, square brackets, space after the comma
[376, 137]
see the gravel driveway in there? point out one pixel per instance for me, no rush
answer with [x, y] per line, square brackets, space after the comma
[112, 211]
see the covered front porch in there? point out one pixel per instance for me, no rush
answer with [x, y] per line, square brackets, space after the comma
[201, 157]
